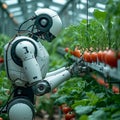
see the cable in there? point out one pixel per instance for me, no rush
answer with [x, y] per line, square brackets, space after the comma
[32, 18]
[7, 101]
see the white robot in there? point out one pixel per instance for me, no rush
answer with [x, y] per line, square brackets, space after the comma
[26, 64]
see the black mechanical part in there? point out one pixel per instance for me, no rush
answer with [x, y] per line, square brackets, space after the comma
[43, 22]
[41, 88]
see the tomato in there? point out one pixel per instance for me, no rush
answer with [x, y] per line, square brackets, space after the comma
[115, 89]
[66, 109]
[100, 81]
[87, 57]
[66, 49]
[61, 106]
[111, 58]
[77, 53]
[103, 56]
[1, 118]
[118, 55]
[69, 116]
[94, 56]
[1, 60]
[100, 56]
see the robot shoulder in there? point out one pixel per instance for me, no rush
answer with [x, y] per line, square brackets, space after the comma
[21, 47]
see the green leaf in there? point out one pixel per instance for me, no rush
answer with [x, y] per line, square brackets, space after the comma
[80, 110]
[62, 100]
[83, 117]
[93, 98]
[98, 115]
[99, 15]
[83, 102]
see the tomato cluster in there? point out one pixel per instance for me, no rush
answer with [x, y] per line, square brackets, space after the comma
[109, 57]
[68, 112]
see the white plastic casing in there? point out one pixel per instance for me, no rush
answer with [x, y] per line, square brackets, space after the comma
[57, 23]
[20, 111]
[57, 77]
[32, 66]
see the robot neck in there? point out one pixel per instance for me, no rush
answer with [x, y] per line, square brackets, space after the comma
[35, 36]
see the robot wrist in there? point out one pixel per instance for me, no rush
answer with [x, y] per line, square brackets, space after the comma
[41, 88]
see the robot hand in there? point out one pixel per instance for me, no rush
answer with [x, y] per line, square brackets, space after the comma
[78, 68]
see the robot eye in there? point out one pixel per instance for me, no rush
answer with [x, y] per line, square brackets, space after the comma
[43, 22]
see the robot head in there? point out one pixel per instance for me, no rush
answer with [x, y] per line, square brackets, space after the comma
[48, 24]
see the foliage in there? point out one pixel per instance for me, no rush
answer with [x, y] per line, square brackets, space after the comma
[87, 98]
[3, 40]
[113, 22]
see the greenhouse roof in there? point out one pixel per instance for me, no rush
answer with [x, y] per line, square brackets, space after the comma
[23, 9]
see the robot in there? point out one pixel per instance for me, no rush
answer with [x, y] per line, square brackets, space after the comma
[27, 61]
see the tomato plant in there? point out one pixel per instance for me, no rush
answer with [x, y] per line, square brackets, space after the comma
[87, 97]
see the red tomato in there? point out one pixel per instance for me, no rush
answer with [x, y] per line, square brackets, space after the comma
[1, 60]
[94, 56]
[69, 116]
[66, 49]
[115, 89]
[1, 118]
[66, 109]
[87, 57]
[101, 81]
[103, 56]
[100, 55]
[118, 55]
[84, 55]
[77, 53]
[111, 58]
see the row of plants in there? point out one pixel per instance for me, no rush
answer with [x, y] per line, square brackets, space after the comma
[5, 84]
[89, 97]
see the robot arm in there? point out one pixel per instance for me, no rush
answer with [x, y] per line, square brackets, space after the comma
[25, 51]
[57, 77]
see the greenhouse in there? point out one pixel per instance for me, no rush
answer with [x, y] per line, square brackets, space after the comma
[59, 60]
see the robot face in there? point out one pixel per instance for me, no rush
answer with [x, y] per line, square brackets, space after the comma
[48, 24]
